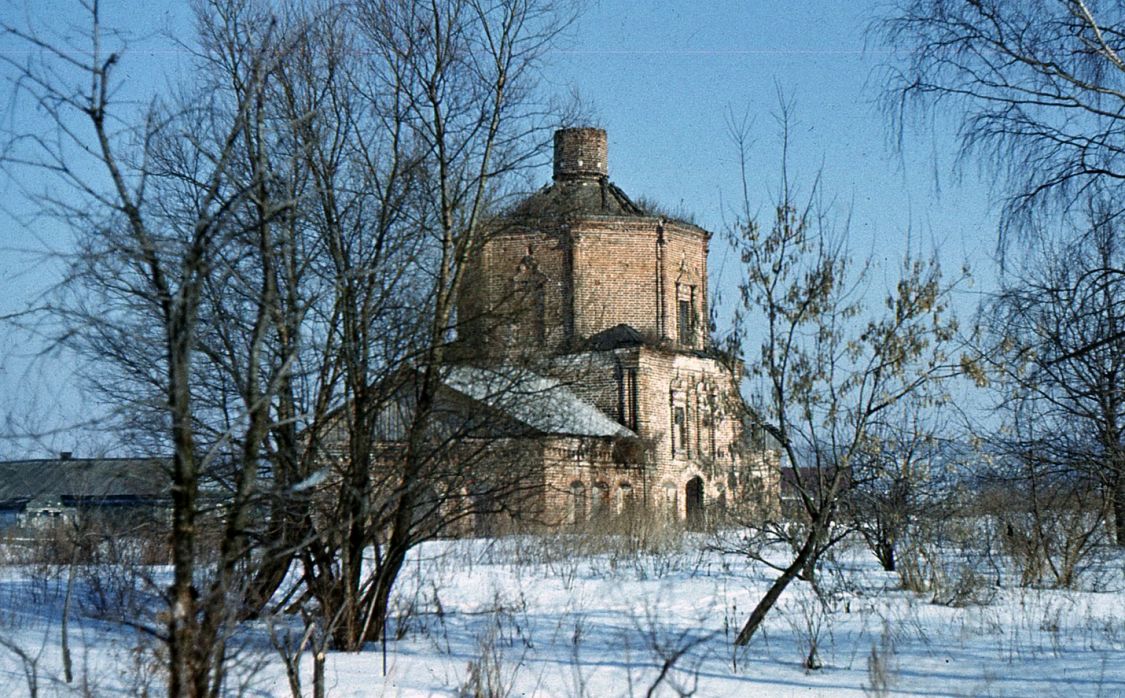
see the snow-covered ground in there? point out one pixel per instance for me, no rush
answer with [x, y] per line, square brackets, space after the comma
[562, 616]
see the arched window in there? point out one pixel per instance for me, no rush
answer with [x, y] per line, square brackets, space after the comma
[671, 500]
[529, 286]
[577, 503]
[599, 504]
[624, 502]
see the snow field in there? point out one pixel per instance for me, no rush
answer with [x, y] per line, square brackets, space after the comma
[577, 616]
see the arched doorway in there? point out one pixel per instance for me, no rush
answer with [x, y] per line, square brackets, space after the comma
[693, 502]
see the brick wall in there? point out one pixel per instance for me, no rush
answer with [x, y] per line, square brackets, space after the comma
[589, 466]
[598, 273]
[685, 274]
[707, 392]
[615, 278]
[580, 152]
[499, 302]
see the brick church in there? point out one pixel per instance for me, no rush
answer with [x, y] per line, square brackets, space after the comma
[627, 405]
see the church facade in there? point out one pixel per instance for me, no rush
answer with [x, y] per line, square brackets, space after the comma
[580, 285]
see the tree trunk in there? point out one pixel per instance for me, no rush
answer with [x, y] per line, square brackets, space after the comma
[183, 653]
[1119, 509]
[380, 598]
[267, 580]
[289, 523]
[886, 554]
[318, 674]
[804, 557]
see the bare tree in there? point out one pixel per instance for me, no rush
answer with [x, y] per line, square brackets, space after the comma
[899, 482]
[410, 121]
[190, 291]
[1039, 86]
[829, 368]
[292, 233]
[462, 139]
[269, 271]
[1057, 354]
[166, 209]
[1039, 89]
[1049, 514]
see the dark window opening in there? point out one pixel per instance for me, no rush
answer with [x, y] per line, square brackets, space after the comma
[693, 500]
[680, 432]
[631, 383]
[539, 320]
[687, 330]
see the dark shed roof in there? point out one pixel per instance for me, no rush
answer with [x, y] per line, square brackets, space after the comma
[89, 480]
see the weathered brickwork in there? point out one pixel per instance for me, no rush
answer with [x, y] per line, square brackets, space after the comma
[546, 290]
[558, 281]
[580, 152]
[631, 270]
[519, 293]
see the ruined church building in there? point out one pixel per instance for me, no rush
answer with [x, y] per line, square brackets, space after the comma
[610, 301]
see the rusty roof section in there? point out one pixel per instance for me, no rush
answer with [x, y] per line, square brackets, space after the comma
[575, 198]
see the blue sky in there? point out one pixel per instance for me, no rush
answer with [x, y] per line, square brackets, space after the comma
[661, 77]
[662, 81]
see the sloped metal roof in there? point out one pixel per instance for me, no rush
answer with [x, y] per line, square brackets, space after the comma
[578, 197]
[87, 479]
[622, 335]
[543, 404]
